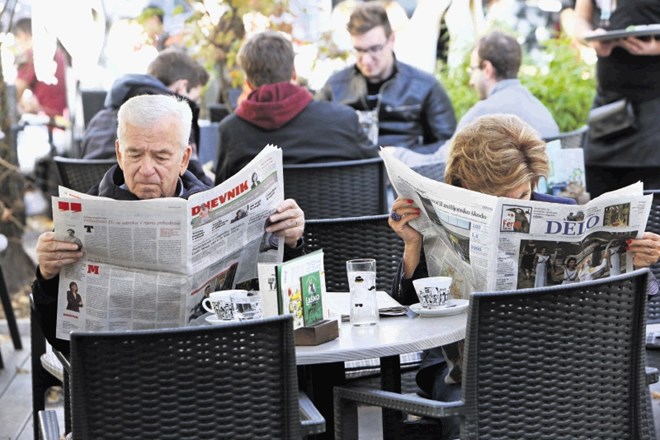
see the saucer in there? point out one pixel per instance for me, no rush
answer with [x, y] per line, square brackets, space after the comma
[453, 307]
[212, 319]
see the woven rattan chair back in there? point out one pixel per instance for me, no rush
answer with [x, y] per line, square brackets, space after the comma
[558, 362]
[358, 237]
[572, 139]
[653, 225]
[81, 174]
[433, 170]
[338, 189]
[234, 381]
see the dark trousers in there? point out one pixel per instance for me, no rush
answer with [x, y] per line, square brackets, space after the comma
[451, 426]
[603, 179]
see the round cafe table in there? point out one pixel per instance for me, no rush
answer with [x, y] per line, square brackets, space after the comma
[393, 335]
[321, 367]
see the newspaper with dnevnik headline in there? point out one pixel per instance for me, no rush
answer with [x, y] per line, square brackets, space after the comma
[488, 243]
[150, 263]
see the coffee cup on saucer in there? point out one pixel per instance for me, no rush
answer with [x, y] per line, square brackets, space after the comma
[433, 292]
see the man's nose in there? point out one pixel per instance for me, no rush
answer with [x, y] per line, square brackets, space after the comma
[147, 166]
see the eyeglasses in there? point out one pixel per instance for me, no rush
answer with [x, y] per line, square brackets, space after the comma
[371, 50]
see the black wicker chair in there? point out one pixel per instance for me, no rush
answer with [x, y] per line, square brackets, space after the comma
[10, 316]
[558, 362]
[235, 380]
[44, 373]
[356, 237]
[93, 101]
[81, 174]
[572, 139]
[653, 225]
[433, 170]
[338, 189]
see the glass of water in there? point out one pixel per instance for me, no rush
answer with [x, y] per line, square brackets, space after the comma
[362, 285]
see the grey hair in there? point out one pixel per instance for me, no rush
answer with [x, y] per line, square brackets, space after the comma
[145, 110]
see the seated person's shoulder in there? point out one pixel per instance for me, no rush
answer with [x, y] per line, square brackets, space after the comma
[99, 137]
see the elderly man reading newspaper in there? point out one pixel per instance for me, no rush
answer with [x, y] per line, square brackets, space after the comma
[152, 154]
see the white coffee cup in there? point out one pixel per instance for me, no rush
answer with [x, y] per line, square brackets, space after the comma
[432, 292]
[220, 303]
[246, 305]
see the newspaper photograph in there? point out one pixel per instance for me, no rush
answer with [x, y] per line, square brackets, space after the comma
[488, 243]
[150, 263]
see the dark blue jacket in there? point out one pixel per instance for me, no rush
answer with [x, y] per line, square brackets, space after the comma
[44, 292]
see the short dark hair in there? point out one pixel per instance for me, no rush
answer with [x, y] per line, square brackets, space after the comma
[503, 52]
[153, 11]
[267, 58]
[24, 25]
[367, 16]
[173, 64]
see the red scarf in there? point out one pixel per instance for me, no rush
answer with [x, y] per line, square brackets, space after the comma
[273, 105]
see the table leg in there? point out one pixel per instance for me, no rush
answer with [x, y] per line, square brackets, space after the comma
[390, 380]
[318, 381]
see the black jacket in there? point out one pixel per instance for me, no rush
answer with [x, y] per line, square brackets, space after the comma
[44, 292]
[415, 111]
[322, 132]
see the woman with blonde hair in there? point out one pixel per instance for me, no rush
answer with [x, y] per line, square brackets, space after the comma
[499, 155]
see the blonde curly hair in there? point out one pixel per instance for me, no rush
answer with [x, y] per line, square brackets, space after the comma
[495, 154]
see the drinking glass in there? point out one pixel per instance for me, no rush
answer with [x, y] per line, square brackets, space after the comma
[362, 285]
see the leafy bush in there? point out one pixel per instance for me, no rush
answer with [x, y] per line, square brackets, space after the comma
[560, 80]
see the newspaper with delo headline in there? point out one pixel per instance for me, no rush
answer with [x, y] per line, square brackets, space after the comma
[150, 263]
[488, 243]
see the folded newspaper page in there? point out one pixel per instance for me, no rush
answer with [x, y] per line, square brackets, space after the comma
[488, 243]
[150, 263]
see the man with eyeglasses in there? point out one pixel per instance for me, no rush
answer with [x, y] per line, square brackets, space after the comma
[493, 70]
[398, 104]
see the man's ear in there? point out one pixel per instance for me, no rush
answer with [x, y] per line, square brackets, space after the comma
[180, 87]
[118, 152]
[488, 68]
[185, 160]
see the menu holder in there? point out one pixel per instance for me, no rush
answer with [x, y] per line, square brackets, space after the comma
[316, 334]
[644, 30]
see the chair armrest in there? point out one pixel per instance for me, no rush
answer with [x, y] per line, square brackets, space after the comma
[408, 403]
[51, 363]
[310, 418]
[652, 375]
[63, 360]
[48, 427]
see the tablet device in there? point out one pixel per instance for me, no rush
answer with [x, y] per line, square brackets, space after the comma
[643, 30]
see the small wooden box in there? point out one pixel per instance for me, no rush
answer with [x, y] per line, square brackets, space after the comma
[316, 334]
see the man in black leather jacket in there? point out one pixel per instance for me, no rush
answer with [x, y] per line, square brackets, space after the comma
[412, 108]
